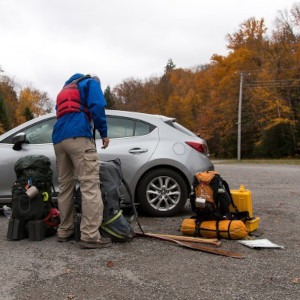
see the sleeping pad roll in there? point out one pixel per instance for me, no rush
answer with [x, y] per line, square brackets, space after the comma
[226, 229]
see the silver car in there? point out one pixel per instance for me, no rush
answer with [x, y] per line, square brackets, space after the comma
[159, 157]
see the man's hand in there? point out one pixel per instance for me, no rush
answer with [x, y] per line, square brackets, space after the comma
[105, 142]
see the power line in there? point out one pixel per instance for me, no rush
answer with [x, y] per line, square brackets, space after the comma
[271, 85]
[268, 69]
[278, 80]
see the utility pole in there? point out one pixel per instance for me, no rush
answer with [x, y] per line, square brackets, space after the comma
[240, 118]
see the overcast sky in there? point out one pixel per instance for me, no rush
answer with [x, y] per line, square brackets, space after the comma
[44, 42]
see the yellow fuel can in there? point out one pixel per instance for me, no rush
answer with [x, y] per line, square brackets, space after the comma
[242, 199]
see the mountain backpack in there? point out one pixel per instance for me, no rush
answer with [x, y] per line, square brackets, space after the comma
[210, 197]
[31, 192]
[114, 224]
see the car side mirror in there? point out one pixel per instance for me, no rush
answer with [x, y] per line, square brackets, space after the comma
[18, 140]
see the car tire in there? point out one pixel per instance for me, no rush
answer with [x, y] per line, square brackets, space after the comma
[162, 193]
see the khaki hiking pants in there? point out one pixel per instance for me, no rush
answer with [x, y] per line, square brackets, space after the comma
[77, 157]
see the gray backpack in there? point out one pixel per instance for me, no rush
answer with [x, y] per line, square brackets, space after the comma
[114, 225]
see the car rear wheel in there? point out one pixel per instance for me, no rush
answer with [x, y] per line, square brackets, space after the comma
[162, 193]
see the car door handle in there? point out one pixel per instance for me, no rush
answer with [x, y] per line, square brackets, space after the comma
[137, 150]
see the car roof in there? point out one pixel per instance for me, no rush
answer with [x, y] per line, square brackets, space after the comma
[138, 115]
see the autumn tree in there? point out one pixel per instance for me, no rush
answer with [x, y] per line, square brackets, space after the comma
[249, 46]
[183, 101]
[152, 97]
[279, 85]
[129, 95]
[164, 87]
[32, 103]
[205, 98]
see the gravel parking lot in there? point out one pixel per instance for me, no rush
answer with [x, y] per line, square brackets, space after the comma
[153, 269]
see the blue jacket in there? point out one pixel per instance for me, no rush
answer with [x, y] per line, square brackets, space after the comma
[77, 124]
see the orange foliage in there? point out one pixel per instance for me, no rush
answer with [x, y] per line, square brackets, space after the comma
[205, 99]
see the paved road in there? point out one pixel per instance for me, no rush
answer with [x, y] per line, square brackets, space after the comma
[153, 269]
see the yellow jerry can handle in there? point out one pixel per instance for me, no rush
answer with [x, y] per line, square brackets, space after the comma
[242, 188]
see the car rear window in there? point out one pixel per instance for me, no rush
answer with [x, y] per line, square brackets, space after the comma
[119, 127]
[180, 127]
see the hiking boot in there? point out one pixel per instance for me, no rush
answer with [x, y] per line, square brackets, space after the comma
[102, 243]
[61, 239]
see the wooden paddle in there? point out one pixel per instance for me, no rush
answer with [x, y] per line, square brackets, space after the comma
[211, 241]
[195, 246]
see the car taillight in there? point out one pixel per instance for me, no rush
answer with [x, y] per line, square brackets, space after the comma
[198, 146]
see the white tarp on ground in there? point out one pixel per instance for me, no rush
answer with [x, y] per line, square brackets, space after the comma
[262, 243]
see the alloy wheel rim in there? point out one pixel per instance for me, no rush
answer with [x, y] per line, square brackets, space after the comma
[163, 193]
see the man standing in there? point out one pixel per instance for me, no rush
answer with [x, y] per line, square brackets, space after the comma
[80, 102]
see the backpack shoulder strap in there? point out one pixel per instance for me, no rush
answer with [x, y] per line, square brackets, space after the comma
[226, 186]
[81, 78]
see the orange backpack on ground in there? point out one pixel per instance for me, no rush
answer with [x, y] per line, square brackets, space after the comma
[210, 197]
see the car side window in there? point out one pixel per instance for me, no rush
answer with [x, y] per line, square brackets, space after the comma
[142, 128]
[119, 127]
[40, 133]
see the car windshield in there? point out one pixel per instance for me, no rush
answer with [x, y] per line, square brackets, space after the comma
[39, 133]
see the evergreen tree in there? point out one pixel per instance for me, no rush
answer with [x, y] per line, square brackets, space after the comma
[4, 121]
[28, 114]
[110, 98]
[170, 66]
